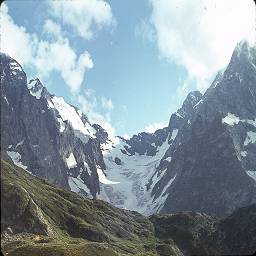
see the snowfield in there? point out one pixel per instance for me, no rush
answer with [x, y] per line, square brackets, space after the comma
[16, 158]
[131, 178]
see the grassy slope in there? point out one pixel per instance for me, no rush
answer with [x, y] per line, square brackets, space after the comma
[67, 223]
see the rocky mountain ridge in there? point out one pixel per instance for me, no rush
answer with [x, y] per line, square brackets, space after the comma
[203, 161]
[44, 134]
[206, 161]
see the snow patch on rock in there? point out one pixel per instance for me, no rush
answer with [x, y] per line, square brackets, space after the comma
[157, 204]
[35, 88]
[168, 159]
[174, 134]
[20, 143]
[252, 174]
[198, 103]
[251, 138]
[103, 179]
[16, 158]
[177, 114]
[6, 100]
[71, 161]
[243, 153]
[231, 119]
[77, 184]
[15, 66]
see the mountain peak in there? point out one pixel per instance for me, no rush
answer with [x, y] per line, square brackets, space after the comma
[243, 46]
[11, 68]
[35, 87]
[193, 97]
[244, 51]
[191, 100]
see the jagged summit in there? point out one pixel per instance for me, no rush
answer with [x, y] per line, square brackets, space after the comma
[244, 56]
[12, 71]
[189, 103]
[244, 48]
[35, 87]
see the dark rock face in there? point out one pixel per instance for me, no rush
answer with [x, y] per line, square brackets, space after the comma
[33, 128]
[237, 231]
[24, 128]
[101, 134]
[194, 233]
[187, 109]
[214, 151]
[118, 161]
[142, 143]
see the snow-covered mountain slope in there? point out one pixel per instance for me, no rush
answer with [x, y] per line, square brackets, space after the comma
[205, 160]
[140, 162]
[133, 173]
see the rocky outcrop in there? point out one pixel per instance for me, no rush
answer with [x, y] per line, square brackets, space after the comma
[201, 234]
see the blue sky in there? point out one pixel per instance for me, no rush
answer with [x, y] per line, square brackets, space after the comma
[127, 64]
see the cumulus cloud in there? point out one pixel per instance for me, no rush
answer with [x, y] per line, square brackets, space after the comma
[53, 29]
[107, 104]
[200, 35]
[154, 126]
[91, 104]
[83, 15]
[42, 55]
[11, 34]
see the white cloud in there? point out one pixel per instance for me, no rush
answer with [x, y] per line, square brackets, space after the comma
[44, 56]
[145, 30]
[200, 35]
[92, 106]
[126, 136]
[11, 34]
[52, 28]
[83, 15]
[154, 126]
[107, 103]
